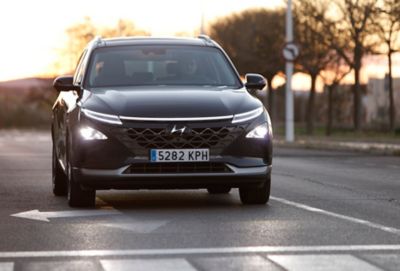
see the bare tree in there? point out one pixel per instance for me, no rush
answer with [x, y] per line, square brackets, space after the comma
[352, 40]
[254, 40]
[335, 71]
[389, 29]
[315, 52]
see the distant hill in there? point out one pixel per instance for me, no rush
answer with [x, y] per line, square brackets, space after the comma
[26, 103]
[25, 84]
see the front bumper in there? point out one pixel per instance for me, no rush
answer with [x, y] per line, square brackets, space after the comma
[118, 179]
[103, 164]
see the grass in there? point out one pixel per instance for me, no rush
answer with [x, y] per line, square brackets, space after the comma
[341, 134]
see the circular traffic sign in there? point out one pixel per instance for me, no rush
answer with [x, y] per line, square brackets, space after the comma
[290, 51]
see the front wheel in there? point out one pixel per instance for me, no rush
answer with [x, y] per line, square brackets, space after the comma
[78, 197]
[256, 194]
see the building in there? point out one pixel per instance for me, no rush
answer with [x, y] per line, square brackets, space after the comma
[376, 102]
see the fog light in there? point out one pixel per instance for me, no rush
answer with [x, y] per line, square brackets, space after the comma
[88, 133]
[259, 132]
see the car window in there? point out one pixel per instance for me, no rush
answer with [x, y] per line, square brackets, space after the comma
[160, 65]
[79, 71]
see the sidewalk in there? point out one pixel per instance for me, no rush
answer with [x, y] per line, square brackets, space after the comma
[384, 148]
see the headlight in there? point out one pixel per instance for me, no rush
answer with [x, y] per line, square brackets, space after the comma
[259, 132]
[242, 117]
[88, 133]
[102, 117]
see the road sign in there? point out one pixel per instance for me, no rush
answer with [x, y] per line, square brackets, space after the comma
[290, 51]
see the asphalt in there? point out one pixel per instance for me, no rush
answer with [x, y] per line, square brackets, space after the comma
[340, 208]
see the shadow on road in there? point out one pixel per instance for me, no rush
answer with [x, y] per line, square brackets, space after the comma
[172, 200]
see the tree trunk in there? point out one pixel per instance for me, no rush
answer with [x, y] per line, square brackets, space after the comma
[311, 105]
[392, 113]
[271, 100]
[357, 92]
[329, 121]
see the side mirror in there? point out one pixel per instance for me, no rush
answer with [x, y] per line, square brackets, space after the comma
[255, 81]
[65, 83]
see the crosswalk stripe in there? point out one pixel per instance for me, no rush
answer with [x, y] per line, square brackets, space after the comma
[322, 263]
[60, 265]
[179, 264]
[253, 263]
[6, 266]
[390, 261]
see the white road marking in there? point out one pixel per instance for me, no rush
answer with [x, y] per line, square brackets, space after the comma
[321, 263]
[148, 265]
[237, 262]
[44, 216]
[388, 260]
[60, 265]
[340, 216]
[122, 222]
[6, 266]
[195, 251]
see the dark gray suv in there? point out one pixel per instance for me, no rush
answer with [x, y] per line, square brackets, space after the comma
[159, 113]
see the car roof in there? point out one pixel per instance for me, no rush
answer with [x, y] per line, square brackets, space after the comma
[200, 41]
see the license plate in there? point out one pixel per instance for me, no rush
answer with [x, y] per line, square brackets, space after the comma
[179, 155]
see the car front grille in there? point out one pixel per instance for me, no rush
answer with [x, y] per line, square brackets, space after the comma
[140, 140]
[198, 167]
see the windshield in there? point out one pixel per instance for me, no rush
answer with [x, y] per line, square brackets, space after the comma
[160, 65]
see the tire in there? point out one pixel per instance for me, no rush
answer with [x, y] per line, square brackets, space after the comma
[78, 197]
[256, 194]
[219, 190]
[59, 179]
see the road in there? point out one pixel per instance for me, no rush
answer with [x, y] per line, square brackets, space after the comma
[330, 210]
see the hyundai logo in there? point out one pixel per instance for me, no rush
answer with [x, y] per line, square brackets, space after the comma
[178, 130]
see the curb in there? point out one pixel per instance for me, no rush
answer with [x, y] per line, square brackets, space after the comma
[364, 147]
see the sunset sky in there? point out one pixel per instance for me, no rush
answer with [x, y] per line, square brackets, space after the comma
[33, 32]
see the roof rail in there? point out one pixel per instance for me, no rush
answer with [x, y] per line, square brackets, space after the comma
[205, 38]
[98, 41]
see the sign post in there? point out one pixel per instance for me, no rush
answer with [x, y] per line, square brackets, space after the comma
[289, 52]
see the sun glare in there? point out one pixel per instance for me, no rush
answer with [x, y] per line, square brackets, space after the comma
[33, 32]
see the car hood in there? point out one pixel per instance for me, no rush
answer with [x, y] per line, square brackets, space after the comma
[169, 102]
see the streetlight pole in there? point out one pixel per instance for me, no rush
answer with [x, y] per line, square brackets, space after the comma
[202, 30]
[289, 116]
